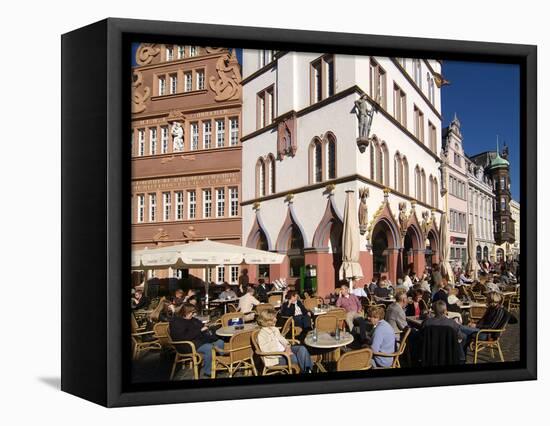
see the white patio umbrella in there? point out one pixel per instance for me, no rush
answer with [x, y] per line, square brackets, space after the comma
[444, 249]
[351, 268]
[201, 254]
[471, 265]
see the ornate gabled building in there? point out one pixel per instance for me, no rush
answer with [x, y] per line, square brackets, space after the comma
[186, 151]
[306, 142]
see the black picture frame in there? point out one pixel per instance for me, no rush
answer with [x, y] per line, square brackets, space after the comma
[95, 209]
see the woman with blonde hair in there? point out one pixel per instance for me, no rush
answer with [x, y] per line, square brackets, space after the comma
[271, 340]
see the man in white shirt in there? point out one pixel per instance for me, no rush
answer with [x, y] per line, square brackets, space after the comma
[247, 303]
[359, 291]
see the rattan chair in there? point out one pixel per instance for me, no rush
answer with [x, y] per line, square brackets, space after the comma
[326, 323]
[311, 303]
[142, 341]
[269, 370]
[275, 299]
[492, 342]
[185, 353]
[514, 301]
[231, 307]
[237, 355]
[229, 316]
[289, 327]
[477, 312]
[355, 360]
[161, 333]
[397, 354]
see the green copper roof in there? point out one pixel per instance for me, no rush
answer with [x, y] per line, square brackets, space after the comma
[498, 161]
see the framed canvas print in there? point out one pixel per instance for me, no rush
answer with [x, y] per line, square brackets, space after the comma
[253, 212]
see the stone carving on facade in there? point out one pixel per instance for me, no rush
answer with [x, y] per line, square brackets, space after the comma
[364, 118]
[426, 222]
[363, 210]
[139, 98]
[286, 137]
[190, 233]
[209, 49]
[177, 136]
[329, 189]
[146, 52]
[227, 86]
[289, 198]
[403, 218]
[161, 235]
[443, 171]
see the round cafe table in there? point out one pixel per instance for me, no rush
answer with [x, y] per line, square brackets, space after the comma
[224, 302]
[230, 330]
[326, 341]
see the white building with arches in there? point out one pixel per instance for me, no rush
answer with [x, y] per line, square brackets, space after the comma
[301, 153]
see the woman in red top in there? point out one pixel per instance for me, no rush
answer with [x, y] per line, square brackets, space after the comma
[417, 307]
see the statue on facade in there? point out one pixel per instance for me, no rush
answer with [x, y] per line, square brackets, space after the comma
[403, 217]
[363, 210]
[364, 117]
[177, 136]
[425, 222]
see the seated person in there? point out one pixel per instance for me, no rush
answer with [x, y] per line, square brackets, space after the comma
[402, 286]
[443, 292]
[294, 307]
[382, 291]
[383, 337]
[227, 293]
[261, 291]
[247, 303]
[395, 312]
[139, 301]
[271, 340]
[465, 278]
[185, 327]
[440, 319]
[373, 284]
[359, 291]
[417, 307]
[179, 298]
[354, 310]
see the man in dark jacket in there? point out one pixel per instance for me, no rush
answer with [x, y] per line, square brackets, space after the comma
[440, 320]
[296, 309]
[186, 327]
[261, 291]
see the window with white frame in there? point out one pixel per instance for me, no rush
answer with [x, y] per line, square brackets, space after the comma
[322, 78]
[194, 136]
[261, 178]
[264, 108]
[200, 80]
[206, 203]
[181, 52]
[220, 202]
[193, 51]
[170, 53]
[164, 139]
[417, 72]
[179, 205]
[152, 207]
[220, 133]
[432, 137]
[234, 126]
[140, 208]
[418, 124]
[153, 141]
[207, 134]
[377, 85]
[399, 105]
[173, 84]
[162, 86]
[166, 205]
[266, 56]
[220, 274]
[188, 78]
[234, 274]
[141, 142]
[234, 201]
[502, 203]
[191, 204]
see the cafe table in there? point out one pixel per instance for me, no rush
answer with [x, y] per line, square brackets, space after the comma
[230, 330]
[224, 302]
[471, 304]
[328, 341]
[322, 311]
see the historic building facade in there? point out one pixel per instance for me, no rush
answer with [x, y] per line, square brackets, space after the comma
[515, 211]
[480, 210]
[186, 152]
[455, 166]
[305, 142]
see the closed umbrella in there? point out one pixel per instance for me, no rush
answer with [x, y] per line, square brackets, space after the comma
[350, 269]
[444, 249]
[471, 265]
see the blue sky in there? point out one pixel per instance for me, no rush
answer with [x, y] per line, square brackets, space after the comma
[486, 100]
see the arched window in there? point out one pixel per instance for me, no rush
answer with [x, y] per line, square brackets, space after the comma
[417, 184]
[270, 184]
[379, 165]
[372, 161]
[436, 194]
[478, 253]
[431, 191]
[405, 175]
[423, 176]
[316, 161]
[331, 157]
[385, 165]
[260, 178]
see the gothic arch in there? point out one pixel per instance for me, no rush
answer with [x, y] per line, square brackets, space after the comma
[386, 217]
[414, 227]
[286, 231]
[331, 218]
[256, 232]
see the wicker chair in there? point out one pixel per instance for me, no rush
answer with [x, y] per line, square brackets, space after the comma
[311, 303]
[185, 353]
[477, 312]
[355, 360]
[341, 315]
[161, 333]
[231, 307]
[514, 302]
[289, 327]
[492, 343]
[140, 341]
[400, 350]
[229, 316]
[237, 355]
[275, 299]
[326, 323]
[269, 370]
